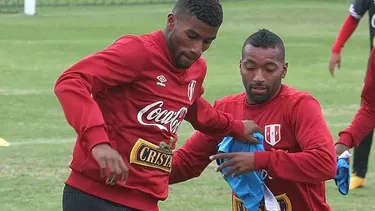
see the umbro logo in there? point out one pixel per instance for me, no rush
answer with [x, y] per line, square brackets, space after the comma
[161, 80]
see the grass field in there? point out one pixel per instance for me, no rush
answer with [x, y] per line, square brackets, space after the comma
[35, 50]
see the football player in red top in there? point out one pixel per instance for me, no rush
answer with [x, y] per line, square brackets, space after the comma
[299, 151]
[126, 104]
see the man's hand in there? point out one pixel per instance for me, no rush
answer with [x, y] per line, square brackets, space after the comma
[340, 148]
[333, 62]
[240, 162]
[106, 157]
[249, 129]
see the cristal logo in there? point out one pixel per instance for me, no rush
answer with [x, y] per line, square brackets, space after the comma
[162, 118]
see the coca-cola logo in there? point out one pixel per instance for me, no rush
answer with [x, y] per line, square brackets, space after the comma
[161, 118]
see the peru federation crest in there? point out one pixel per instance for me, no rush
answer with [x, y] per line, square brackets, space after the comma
[191, 88]
[272, 134]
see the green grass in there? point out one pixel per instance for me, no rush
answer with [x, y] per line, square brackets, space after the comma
[35, 50]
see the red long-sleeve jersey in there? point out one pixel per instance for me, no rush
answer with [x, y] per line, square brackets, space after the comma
[132, 97]
[299, 154]
[364, 120]
[347, 29]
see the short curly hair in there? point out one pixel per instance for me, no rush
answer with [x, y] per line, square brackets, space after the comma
[264, 38]
[207, 11]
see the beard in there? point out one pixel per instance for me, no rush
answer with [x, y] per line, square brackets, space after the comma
[180, 63]
[254, 97]
[257, 98]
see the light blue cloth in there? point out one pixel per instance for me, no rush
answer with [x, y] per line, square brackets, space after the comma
[342, 178]
[248, 187]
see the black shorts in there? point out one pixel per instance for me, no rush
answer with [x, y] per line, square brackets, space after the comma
[76, 200]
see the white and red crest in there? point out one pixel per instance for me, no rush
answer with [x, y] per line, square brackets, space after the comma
[272, 134]
[191, 88]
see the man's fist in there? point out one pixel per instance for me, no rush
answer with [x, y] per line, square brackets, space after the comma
[106, 157]
[340, 148]
[249, 129]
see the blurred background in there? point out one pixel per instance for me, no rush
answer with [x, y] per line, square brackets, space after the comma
[34, 50]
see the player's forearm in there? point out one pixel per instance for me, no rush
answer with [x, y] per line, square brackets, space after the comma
[80, 110]
[362, 124]
[364, 120]
[182, 169]
[189, 162]
[311, 166]
[346, 31]
[211, 121]
[193, 157]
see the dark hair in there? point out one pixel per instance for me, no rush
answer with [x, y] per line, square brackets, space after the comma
[264, 38]
[207, 11]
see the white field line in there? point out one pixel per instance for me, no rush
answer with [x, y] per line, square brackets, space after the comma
[42, 141]
[11, 92]
[52, 41]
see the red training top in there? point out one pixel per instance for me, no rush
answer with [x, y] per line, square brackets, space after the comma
[299, 154]
[132, 97]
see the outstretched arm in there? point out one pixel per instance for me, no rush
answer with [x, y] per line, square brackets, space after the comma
[213, 122]
[192, 158]
[364, 120]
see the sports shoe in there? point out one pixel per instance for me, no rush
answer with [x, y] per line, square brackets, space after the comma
[356, 182]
